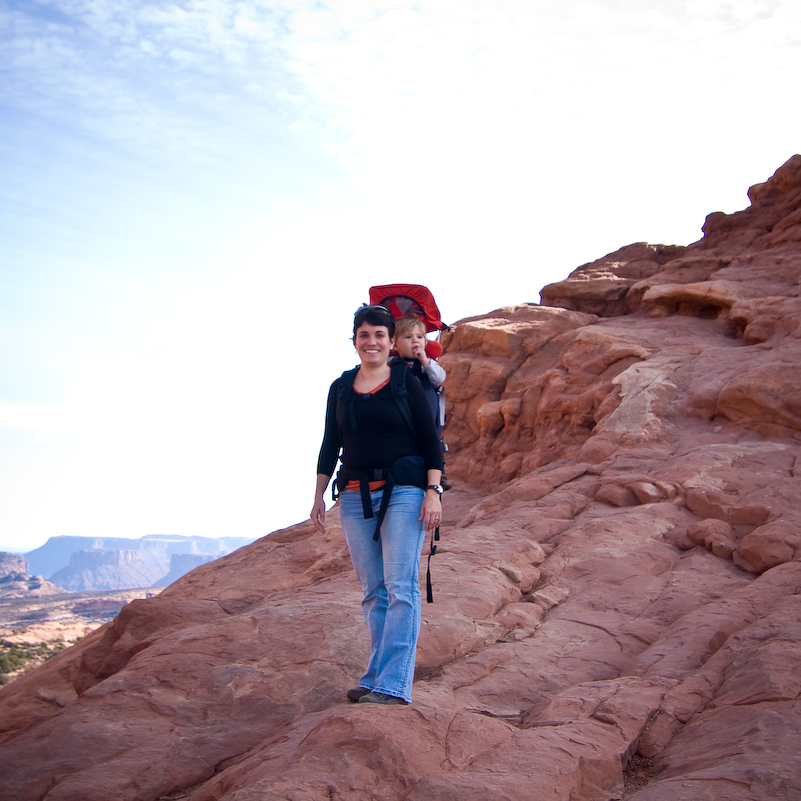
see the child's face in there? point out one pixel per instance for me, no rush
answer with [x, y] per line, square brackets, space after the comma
[412, 343]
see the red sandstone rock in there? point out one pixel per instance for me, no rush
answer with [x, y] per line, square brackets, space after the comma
[619, 577]
[601, 286]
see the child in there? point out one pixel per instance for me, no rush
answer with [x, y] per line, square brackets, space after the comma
[410, 343]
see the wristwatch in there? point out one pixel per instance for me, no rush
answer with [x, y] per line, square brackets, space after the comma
[436, 488]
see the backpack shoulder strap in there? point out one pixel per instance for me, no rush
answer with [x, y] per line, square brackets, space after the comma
[399, 372]
[345, 391]
[345, 382]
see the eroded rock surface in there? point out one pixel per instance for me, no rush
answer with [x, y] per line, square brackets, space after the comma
[619, 584]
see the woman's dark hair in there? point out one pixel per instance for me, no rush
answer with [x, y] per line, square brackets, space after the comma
[374, 315]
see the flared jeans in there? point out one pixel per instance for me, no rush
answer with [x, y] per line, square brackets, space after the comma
[388, 570]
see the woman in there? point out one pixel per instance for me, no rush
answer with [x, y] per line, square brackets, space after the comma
[383, 453]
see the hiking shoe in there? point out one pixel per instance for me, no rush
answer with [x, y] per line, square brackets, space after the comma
[356, 694]
[381, 698]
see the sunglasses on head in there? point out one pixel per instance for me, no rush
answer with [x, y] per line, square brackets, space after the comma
[364, 308]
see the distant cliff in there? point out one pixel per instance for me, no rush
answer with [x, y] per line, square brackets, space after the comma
[180, 565]
[17, 582]
[111, 563]
[110, 570]
[617, 590]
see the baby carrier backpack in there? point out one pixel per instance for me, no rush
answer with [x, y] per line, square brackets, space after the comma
[415, 300]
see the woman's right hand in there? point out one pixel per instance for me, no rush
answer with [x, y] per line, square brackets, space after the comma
[318, 510]
[318, 514]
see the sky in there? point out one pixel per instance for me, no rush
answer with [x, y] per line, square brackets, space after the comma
[196, 195]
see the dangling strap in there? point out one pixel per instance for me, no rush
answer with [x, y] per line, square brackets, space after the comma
[382, 510]
[364, 491]
[431, 552]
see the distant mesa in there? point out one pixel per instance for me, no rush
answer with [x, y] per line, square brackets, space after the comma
[181, 564]
[17, 582]
[81, 564]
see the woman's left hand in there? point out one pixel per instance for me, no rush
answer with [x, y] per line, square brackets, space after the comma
[431, 510]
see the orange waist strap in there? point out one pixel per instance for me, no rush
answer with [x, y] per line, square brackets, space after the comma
[372, 485]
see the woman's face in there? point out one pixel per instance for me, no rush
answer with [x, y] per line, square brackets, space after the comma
[373, 343]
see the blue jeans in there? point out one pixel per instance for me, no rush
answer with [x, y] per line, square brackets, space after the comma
[388, 571]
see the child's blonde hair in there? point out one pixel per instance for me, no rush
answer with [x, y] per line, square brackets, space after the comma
[403, 325]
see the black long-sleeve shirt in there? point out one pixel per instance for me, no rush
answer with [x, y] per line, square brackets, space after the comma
[381, 434]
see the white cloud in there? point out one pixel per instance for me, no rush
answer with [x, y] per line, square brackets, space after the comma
[43, 421]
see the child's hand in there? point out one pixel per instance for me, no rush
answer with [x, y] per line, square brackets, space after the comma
[419, 353]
